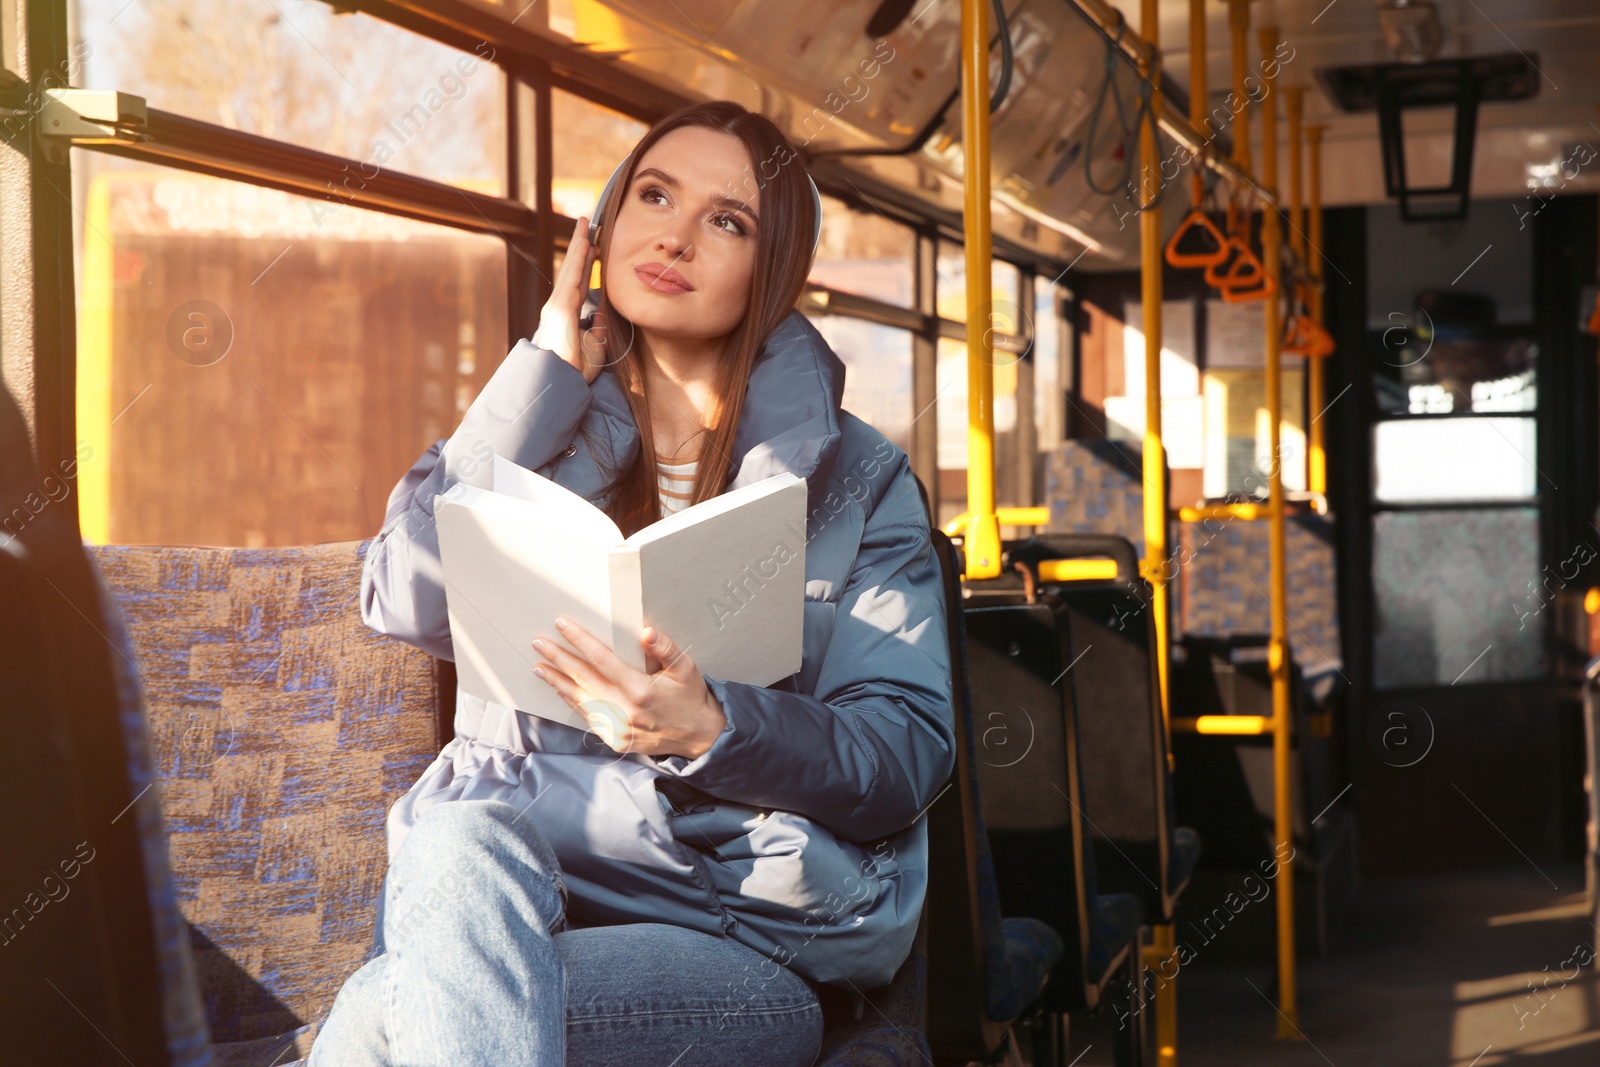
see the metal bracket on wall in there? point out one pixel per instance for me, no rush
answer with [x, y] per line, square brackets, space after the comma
[70, 117]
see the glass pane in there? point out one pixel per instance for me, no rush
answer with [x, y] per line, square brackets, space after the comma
[951, 400]
[1050, 372]
[1494, 374]
[1458, 596]
[250, 376]
[951, 286]
[877, 382]
[863, 252]
[1238, 434]
[349, 84]
[588, 143]
[1467, 458]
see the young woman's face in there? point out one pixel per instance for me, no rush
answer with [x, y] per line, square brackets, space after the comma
[683, 248]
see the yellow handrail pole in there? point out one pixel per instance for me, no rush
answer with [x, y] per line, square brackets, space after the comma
[1316, 451]
[1154, 462]
[1278, 651]
[1199, 96]
[982, 547]
[1295, 96]
[1155, 456]
[1239, 30]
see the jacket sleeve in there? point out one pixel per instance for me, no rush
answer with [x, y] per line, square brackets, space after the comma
[528, 412]
[869, 751]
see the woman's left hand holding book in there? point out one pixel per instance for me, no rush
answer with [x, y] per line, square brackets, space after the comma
[670, 712]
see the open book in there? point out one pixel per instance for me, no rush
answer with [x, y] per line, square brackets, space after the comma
[724, 579]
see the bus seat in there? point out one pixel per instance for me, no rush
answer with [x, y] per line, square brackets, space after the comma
[282, 729]
[983, 969]
[1128, 795]
[1227, 787]
[1095, 486]
[1032, 800]
[1225, 585]
[1591, 782]
[93, 929]
[885, 1027]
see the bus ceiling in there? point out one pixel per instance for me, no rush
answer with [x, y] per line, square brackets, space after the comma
[868, 92]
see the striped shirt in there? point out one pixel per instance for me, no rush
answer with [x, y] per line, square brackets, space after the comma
[676, 484]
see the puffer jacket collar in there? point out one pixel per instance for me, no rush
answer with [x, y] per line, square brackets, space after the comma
[790, 419]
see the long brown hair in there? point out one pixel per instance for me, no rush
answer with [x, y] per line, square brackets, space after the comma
[783, 259]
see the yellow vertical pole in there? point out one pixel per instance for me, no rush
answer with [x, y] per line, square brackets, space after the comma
[1155, 456]
[1295, 97]
[1278, 651]
[1199, 97]
[1239, 29]
[1316, 450]
[982, 547]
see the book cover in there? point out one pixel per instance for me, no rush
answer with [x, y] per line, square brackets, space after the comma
[725, 579]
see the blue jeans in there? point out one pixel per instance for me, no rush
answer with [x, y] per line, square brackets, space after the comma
[476, 964]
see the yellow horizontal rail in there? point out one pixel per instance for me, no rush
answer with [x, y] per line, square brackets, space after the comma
[1004, 516]
[1223, 511]
[1225, 724]
[1077, 570]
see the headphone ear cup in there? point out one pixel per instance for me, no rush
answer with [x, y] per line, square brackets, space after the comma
[605, 198]
[816, 200]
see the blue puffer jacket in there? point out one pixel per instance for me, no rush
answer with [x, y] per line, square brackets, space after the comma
[802, 831]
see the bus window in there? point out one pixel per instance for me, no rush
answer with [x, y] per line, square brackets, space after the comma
[1052, 363]
[877, 383]
[348, 84]
[254, 367]
[1005, 281]
[863, 252]
[1455, 461]
[951, 411]
[588, 141]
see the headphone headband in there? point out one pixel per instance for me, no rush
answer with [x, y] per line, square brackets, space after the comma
[616, 175]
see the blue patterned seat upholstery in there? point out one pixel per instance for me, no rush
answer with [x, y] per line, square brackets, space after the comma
[1224, 585]
[281, 729]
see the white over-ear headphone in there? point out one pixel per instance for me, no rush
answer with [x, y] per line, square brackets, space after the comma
[621, 168]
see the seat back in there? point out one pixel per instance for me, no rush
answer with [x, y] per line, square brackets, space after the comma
[282, 729]
[1591, 746]
[96, 970]
[1095, 486]
[1027, 767]
[963, 906]
[1226, 578]
[1127, 786]
[1229, 676]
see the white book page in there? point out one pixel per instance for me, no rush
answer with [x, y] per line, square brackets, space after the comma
[511, 566]
[578, 516]
[729, 588]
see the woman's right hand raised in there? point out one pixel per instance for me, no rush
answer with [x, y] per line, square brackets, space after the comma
[558, 328]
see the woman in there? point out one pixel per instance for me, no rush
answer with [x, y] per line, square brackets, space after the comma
[673, 886]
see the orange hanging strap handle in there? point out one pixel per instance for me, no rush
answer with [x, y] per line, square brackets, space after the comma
[1322, 342]
[1197, 219]
[1215, 276]
[1247, 280]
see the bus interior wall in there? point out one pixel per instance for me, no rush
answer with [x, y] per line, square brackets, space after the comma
[1488, 743]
